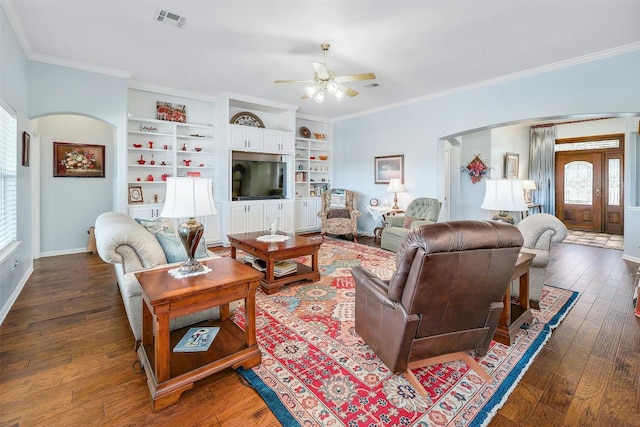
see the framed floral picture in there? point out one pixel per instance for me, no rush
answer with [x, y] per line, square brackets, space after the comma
[78, 160]
[387, 167]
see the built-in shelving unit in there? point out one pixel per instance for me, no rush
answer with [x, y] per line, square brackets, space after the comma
[157, 149]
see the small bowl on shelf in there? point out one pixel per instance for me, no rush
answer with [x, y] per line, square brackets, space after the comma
[323, 157]
[137, 145]
[198, 148]
[319, 135]
[312, 157]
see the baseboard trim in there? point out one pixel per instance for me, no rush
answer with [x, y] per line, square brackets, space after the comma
[15, 294]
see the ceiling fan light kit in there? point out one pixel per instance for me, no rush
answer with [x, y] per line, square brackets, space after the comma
[325, 81]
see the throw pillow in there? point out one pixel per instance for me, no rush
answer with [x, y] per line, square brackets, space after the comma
[408, 221]
[339, 213]
[167, 236]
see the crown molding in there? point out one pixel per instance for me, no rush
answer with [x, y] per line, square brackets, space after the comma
[632, 47]
[148, 87]
[79, 65]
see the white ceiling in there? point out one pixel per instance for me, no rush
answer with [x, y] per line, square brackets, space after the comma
[416, 49]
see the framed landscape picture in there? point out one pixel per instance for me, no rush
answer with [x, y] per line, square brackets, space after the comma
[387, 167]
[78, 160]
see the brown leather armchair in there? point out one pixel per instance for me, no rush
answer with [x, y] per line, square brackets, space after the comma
[445, 297]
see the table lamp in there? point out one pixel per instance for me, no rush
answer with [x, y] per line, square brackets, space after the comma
[527, 186]
[187, 198]
[395, 187]
[503, 196]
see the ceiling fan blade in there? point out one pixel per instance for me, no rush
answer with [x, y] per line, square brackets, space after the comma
[293, 81]
[305, 96]
[354, 77]
[321, 70]
[347, 90]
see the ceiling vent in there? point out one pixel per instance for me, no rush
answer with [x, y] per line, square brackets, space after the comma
[171, 18]
[372, 85]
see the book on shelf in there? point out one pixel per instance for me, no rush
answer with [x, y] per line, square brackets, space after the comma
[197, 339]
[280, 268]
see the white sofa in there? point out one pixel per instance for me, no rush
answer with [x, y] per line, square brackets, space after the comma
[127, 245]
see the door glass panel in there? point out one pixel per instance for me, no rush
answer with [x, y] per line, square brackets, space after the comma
[614, 182]
[578, 183]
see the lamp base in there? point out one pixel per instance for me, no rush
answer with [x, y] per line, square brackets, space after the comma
[190, 233]
[503, 216]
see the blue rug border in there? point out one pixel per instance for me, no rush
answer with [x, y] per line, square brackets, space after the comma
[484, 415]
[502, 393]
[270, 398]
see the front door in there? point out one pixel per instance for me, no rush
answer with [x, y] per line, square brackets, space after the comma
[589, 187]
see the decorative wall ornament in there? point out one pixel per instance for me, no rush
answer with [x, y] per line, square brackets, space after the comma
[476, 169]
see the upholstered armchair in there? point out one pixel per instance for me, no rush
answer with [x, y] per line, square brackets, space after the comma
[445, 298]
[539, 232]
[420, 211]
[339, 214]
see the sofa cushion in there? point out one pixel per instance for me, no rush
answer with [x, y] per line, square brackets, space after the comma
[167, 236]
[339, 213]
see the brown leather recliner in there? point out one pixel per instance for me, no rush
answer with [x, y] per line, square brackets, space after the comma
[444, 299]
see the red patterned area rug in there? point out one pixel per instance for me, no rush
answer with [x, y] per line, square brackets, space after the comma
[316, 371]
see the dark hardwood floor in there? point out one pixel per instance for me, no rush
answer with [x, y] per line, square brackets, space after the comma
[66, 355]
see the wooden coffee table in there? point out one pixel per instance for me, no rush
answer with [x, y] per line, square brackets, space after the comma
[271, 253]
[169, 374]
[515, 315]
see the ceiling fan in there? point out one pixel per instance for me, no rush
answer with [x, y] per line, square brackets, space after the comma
[325, 80]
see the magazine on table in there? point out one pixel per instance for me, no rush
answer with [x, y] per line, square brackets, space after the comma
[197, 339]
[280, 268]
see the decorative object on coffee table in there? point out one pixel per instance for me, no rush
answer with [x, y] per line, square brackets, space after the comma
[189, 197]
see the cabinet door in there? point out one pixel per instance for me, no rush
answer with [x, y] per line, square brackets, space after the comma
[255, 217]
[255, 138]
[238, 136]
[237, 219]
[300, 215]
[315, 206]
[272, 140]
[287, 141]
[283, 210]
[145, 212]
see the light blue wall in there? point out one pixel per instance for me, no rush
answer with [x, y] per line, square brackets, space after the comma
[55, 90]
[604, 86]
[13, 90]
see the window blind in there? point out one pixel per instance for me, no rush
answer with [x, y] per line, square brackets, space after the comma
[8, 176]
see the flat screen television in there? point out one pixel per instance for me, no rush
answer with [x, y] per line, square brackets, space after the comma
[256, 176]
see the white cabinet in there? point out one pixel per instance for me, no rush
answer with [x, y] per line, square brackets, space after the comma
[245, 217]
[282, 210]
[149, 212]
[278, 141]
[306, 214]
[246, 137]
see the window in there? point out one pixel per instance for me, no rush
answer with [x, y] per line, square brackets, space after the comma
[8, 176]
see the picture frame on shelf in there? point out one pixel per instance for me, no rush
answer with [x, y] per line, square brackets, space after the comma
[388, 167]
[26, 145]
[78, 160]
[135, 195]
[511, 164]
[171, 112]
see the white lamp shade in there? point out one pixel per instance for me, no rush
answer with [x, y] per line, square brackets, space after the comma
[529, 185]
[504, 195]
[188, 197]
[395, 185]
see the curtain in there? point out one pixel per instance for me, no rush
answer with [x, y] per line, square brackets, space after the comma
[541, 166]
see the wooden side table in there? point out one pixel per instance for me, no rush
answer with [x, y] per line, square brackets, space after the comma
[515, 315]
[170, 373]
